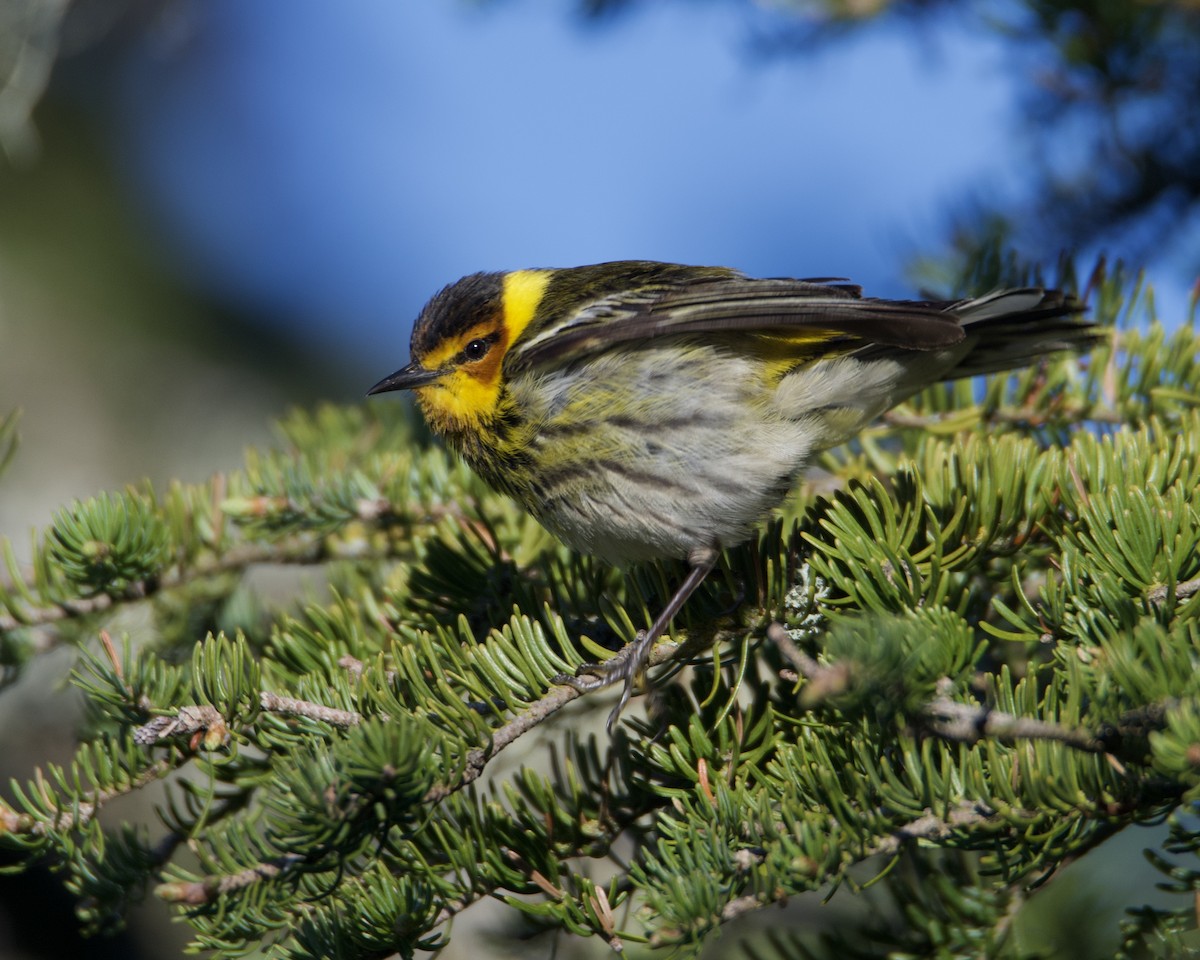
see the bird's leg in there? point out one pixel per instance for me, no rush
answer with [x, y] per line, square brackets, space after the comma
[626, 665]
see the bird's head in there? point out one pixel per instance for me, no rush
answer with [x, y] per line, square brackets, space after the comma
[459, 343]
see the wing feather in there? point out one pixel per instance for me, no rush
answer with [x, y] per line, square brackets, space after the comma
[743, 304]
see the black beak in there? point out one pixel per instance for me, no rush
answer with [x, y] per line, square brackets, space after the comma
[407, 378]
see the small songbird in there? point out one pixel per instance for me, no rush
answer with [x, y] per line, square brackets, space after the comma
[644, 410]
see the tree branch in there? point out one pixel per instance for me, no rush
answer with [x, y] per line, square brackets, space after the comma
[964, 815]
[970, 723]
[192, 720]
[231, 561]
[1029, 417]
[302, 549]
[1183, 591]
[824, 681]
[946, 718]
[80, 813]
[931, 827]
[291, 707]
[197, 892]
[478, 759]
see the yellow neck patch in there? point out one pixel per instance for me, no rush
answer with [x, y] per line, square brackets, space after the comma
[465, 396]
[523, 291]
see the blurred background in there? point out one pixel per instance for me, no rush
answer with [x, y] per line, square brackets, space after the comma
[211, 210]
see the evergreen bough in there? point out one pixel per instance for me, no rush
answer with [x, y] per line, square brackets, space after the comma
[964, 655]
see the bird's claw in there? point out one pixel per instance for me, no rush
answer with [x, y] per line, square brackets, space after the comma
[583, 684]
[621, 668]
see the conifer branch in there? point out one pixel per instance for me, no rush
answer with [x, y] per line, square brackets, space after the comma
[70, 609]
[824, 680]
[742, 789]
[291, 707]
[192, 720]
[1031, 417]
[81, 811]
[528, 719]
[198, 892]
[300, 550]
[963, 816]
[231, 561]
[186, 721]
[946, 718]
[1183, 591]
[203, 718]
[970, 723]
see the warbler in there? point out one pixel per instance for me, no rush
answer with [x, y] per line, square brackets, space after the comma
[643, 410]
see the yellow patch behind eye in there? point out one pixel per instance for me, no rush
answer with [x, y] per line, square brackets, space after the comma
[523, 291]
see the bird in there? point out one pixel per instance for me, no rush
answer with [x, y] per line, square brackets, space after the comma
[642, 410]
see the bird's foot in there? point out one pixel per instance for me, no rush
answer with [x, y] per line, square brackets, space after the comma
[624, 667]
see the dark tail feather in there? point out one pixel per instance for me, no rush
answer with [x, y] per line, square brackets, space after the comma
[1014, 328]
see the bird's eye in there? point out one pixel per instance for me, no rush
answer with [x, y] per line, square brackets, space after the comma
[476, 349]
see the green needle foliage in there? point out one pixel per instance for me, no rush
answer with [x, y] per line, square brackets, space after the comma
[963, 656]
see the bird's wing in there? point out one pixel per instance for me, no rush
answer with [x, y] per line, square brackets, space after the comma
[832, 313]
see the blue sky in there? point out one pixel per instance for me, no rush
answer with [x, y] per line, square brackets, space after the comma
[329, 166]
